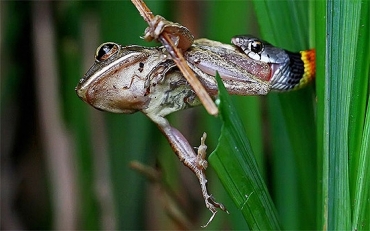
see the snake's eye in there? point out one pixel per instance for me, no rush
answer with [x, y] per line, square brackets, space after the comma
[105, 51]
[255, 46]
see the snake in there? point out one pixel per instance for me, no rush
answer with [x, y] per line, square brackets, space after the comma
[289, 70]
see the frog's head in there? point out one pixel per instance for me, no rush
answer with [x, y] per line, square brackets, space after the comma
[116, 81]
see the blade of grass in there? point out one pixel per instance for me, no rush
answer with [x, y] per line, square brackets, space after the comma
[286, 193]
[292, 18]
[359, 128]
[322, 115]
[249, 108]
[342, 29]
[361, 209]
[360, 92]
[241, 14]
[234, 163]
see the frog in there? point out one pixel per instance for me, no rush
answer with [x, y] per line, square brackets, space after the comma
[128, 79]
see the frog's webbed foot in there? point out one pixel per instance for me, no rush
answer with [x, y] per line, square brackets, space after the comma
[195, 162]
[212, 205]
[210, 201]
[179, 34]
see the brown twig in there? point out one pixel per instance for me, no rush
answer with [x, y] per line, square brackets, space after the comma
[168, 197]
[178, 58]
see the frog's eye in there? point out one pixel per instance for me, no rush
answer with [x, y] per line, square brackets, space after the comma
[105, 51]
[255, 46]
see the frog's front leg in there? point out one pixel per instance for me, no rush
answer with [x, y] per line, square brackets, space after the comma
[179, 34]
[195, 162]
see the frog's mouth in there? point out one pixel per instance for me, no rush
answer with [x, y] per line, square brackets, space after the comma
[81, 92]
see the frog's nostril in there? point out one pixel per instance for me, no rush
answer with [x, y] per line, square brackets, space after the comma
[80, 92]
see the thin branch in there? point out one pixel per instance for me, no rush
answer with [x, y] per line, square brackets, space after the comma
[178, 58]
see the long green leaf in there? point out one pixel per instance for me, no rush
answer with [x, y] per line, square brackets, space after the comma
[234, 163]
[240, 13]
[361, 220]
[359, 128]
[322, 101]
[342, 27]
[286, 24]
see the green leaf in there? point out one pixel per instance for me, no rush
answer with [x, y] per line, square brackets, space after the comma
[234, 163]
[343, 86]
[322, 160]
[361, 210]
[359, 127]
[291, 116]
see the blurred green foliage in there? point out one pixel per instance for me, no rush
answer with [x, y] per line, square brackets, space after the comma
[65, 165]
